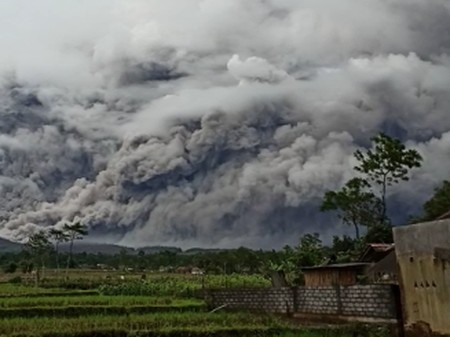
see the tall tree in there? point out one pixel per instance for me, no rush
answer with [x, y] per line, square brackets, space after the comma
[75, 231]
[58, 236]
[38, 245]
[354, 204]
[386, 164]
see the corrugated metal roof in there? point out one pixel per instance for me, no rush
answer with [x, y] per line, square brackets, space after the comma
[381, 247]
[444, 216]
[376, 251]
[338, 266]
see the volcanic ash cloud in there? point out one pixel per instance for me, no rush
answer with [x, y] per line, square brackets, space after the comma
[212, 123]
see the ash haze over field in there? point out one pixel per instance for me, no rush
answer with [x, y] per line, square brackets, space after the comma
[212, 122]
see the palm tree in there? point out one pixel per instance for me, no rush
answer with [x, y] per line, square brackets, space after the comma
[58, 237]
[74, 231]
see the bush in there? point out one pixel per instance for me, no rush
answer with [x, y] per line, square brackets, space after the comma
[16, 280]
[10, 268]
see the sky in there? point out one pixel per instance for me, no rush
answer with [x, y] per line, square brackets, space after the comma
[212, 123]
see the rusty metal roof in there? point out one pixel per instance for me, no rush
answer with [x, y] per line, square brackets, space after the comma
[376, 251]
[351, 265]
[381, 247]
[444, 216]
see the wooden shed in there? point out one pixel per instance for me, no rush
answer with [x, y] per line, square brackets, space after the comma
[385, 270]
[344, 274]
[375, 252]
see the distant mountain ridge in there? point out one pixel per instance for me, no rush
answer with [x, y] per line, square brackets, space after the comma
[7, 246]
[112, 249]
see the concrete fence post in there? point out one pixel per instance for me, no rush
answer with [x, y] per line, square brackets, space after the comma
[338, 299]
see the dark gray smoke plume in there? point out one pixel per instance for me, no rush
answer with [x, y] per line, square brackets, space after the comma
[211, 122]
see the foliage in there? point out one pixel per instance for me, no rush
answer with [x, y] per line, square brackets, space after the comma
[439, 203]
[379, 233]
[387, 164]
[286, 262]
[355, 205]
[38, 245]
[345, 249]
[310, 251]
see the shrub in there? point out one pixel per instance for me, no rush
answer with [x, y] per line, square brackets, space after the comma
[10, 268]
[16, 280]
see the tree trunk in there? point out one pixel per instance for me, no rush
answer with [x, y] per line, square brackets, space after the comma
[383, 200]
[69, 260]
[356, 230]
[43, 267]
[36, 279]
[57, 257]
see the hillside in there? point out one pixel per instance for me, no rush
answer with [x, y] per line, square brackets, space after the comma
[9, 246]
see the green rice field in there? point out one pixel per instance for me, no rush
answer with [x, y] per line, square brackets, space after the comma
[157, 305]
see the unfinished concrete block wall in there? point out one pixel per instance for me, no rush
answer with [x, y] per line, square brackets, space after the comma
[377, 301]
[277, 300]
[369, 301]
[317, 300]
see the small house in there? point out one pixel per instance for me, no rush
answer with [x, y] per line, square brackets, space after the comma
[183, 270]
[385, 270]
[344, 274]
[197, 271]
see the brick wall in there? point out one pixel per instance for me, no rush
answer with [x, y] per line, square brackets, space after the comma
[371, 301]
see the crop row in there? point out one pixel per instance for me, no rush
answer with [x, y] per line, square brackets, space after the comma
[91, 300]
[180, 286]
[242, 331]
[8, 290]
[186, 281]
[132, 322]
[86, 310]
